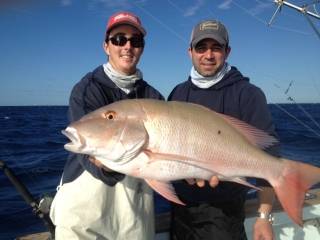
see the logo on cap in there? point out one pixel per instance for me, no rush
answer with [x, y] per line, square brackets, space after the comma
[120, 16]
[209, 25]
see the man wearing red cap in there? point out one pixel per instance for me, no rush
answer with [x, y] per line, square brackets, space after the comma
[92, 201]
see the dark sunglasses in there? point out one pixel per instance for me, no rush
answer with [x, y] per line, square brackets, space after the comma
[136, 42]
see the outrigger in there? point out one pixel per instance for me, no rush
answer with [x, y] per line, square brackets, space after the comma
[303, 9]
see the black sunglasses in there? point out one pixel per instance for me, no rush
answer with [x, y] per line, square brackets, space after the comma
[136, 42]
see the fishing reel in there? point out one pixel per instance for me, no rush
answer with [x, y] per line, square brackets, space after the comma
[44, 202]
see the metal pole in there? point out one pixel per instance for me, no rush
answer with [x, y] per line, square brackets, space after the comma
[278, 9]
[311, 23]
[302, 9]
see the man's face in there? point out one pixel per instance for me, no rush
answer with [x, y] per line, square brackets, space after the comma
[208, 57]
[123, 59]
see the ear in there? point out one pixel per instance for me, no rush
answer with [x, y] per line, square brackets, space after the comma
[190, 52]
[228, 50]
[106, 48]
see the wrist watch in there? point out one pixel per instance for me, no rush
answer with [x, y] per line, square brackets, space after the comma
[269, 217]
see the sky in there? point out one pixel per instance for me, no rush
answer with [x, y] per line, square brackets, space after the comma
[46, 47]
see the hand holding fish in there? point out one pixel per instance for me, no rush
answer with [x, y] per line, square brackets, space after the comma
[99, 164]
[200, 182]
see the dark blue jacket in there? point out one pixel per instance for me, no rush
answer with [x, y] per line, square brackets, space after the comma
[87, 96]
[236, 97]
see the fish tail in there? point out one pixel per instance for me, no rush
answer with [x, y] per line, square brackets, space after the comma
[291, 187]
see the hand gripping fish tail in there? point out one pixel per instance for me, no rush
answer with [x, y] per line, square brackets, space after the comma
[292, 185]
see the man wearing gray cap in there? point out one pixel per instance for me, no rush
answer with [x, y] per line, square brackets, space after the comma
[218, 212]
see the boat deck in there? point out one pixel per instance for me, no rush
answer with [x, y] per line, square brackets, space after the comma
[162, 221]
[284, 228]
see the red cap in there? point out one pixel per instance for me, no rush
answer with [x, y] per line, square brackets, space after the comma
[125, 18]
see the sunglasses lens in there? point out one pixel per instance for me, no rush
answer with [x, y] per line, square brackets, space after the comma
[136, 42]
[119, 41]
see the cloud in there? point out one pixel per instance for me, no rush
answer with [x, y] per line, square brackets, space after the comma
[66, 2]
[18, 10]
[259, 8]
[193, 9]
[225, 5]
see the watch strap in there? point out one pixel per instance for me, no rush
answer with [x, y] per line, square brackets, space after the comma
[269, 217]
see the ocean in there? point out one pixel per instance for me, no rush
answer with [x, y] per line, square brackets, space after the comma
[31, 144]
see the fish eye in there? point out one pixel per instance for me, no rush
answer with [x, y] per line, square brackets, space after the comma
[110, 115]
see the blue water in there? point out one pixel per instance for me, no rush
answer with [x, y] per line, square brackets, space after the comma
[31, 144]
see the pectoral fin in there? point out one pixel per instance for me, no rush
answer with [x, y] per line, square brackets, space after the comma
[165, 189]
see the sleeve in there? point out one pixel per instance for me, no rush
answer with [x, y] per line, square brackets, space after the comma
[85, 98]
[256, 113]
[179, 93]
[153, 93]
[170, 97]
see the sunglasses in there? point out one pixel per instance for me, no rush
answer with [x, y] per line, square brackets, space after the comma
[204, 48]
[136, 42]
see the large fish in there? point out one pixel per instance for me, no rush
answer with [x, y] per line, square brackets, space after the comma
[164, 141]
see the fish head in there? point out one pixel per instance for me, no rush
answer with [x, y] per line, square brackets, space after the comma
[110, 134]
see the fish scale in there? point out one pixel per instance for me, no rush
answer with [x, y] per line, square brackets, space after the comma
[178, 129]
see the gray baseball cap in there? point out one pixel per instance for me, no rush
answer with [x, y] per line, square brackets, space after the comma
[210, 29]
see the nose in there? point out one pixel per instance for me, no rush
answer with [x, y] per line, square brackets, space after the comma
[209, 53]
[128, 44]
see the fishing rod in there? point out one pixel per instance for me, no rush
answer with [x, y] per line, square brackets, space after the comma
[39, 207]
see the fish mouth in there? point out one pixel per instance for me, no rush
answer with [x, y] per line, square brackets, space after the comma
[77, 141]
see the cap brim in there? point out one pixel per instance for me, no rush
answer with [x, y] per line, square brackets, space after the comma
[199, 38]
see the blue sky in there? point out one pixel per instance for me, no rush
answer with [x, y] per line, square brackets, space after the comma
[46, 48]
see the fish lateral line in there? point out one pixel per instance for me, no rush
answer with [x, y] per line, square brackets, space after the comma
[155, 157]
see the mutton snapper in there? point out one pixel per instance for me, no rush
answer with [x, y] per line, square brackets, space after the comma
[165, 141]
